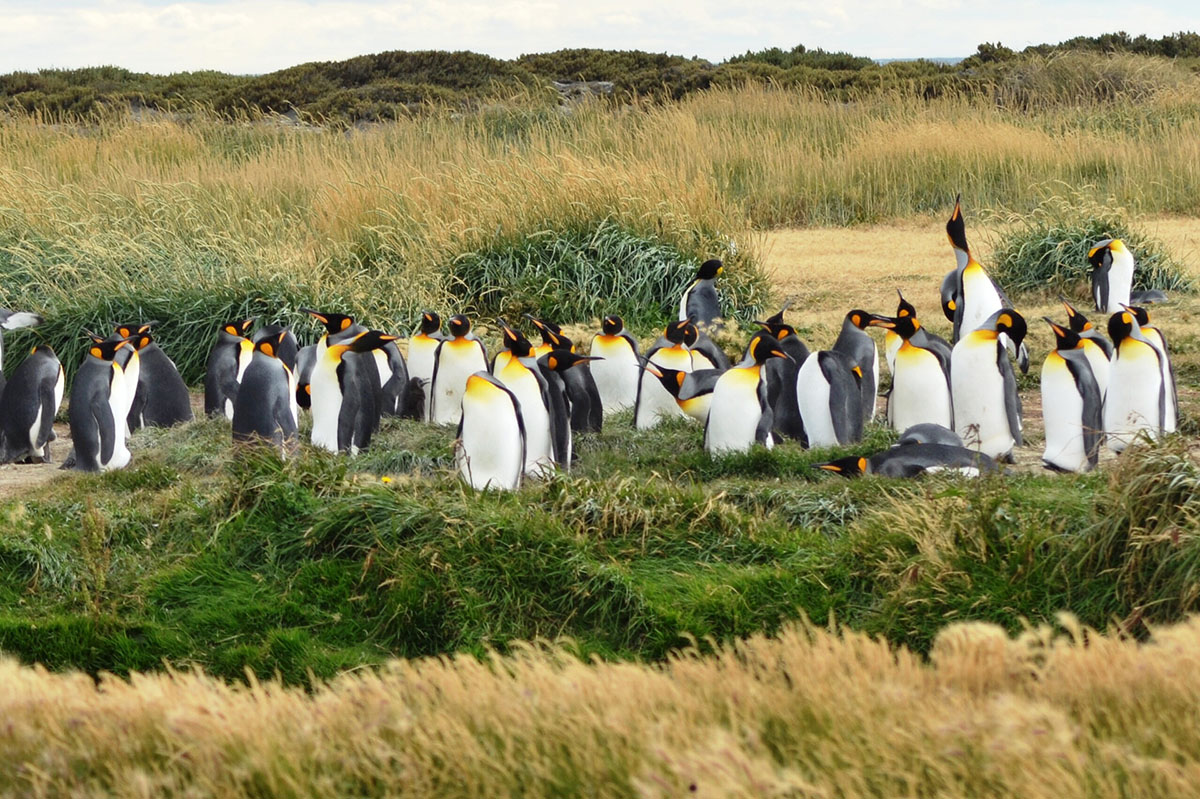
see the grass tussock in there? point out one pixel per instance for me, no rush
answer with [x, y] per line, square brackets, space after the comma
[1062, 712]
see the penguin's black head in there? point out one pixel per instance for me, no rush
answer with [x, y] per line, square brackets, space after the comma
[691, 333]
[515, 341]
[777, 329]
[671, 379]
[849, 466]
[334, 322]
[142, 340]
[131, 330]
[903, 326]
[858, 317]
[763, 346]
[710, 269]
[1064, 337]
[1100, 256]
[44, 350]
[363, 342]
[239, 328]
[1140, 315]
[459, 325]
[105, 350]
[562, 360]
[1078, 322]
[956, 230]
[551, 333]
[905, 308]
[1012, 323]
[777, 319]
[1121, 326]
[676, 332]
[612, 325]
[430, 322]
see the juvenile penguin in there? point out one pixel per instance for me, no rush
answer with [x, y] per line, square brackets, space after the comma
[14, 320]
[422, 347]
[28, 405]
[263, 409]
[1072, 406]
[654, 403]
[692, 390]
[457, 357]
[519, 373]
[617, 375]
[913, 460]
[860, 351]
[227, 362]
[829, 388]
[342, 418]
[97, 410]
[1112, 275]
[740, 413]
[700, 301]
[920, 377]
[1137, 396]
[490, 447]
[1156, 337]
[1095, 345]
[161, 398]
[987, 409]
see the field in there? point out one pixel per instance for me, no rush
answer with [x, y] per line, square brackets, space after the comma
[745, 625]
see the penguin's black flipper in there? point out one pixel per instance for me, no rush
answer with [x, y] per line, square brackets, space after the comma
[767, 420]
[107, 428]
[414, 399]
[45, 433]
[1012, 400]
[554, 395]
[1100, 280]
[1093, 403]
[595, 406]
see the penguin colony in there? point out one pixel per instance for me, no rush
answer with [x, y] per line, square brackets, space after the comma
[955, 402]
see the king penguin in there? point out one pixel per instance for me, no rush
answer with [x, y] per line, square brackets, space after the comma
[587, 410]
[1112, 275]
[692, 390]
[1095, 345]
[920, 377]
[28, 405]
[14, 320]
[860, 351]
[654, 403]
[161, 398]
[781, 377]
[422, 347]
[1156, 337]
[892, 340]
[987, 409]
[263, 410]
[740, 413]
[700, 301]
[518, 371]
[829, 388]
[457, 357]
[342, 422]
[490, 447]
[705, 352]
[554, 366]
[913, 460]
[1137, 396]
[617, 375]
[227, 362]
[1072, 407]
[97, 410]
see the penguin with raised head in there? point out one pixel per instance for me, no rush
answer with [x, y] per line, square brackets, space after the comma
[914, 460]
[28, 404]
[1112, 275]
[860, 351]
[14, 320]
[518, 371]
[740, 413]
[692, 390]
[343, 418]
[700, 301]
[920, 377]
[457, 357]
[653, 402]
[97, 410]
[1072, 405]
[554, 365]
[422, 347]
[1095, 345]
[1156, 337]
[490, 447]
[550, 333]
[227, 362]
[781, 377]
[617, 374]
[161, 398]
[587, 409]
[263, 410]
[1136, 401]
[987, 408]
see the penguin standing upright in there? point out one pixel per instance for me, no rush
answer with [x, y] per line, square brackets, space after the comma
[1156, 337]
[860, 351]
[700, 301]
[1097, 348]
[692, 390]
[740, 414]
[1072, 407]
[653, 402]
[343, 418]
[616, 376]
[14, 320]
[457, 357]
[987, 408]
[130, 363]
[383, 369]
[161, 398]
[892, 340]
[829, 389]
[97, 410]
[490, 447]
[587, 410]
[263, 410]
[519, 373]
[1137, 395]
[554, 365]
[227, 361]
[920, 377]
[781, 377]
[1112, 275]
[422, 347]
[28, 404]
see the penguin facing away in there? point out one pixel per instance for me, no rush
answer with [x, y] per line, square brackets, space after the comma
[1072, 407]
[830, 397]
[913, 460]
[227, 361]
[740, 413]
[28, 404]
[554, 366]
[781, 377]
[987, 408]
[705, 352]
[263, 410]
[457, 357]
[1137, 396]
[616, 376]
[1112, 275]
[343, 418]
[161, 398]
[653, 402]
[929, 434]
[587, 410]
[490, 447]
[700, 301]
[1156, 338]
[97, 426]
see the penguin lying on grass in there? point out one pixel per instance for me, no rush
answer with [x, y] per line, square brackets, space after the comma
[912, 460]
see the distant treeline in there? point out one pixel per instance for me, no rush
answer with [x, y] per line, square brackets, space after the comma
[389, 85]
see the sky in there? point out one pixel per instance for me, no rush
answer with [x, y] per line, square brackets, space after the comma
[256, 37]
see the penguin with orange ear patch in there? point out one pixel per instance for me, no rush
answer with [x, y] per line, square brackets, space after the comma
[913, 460]
[161, 398]
[344, 416]
[97, 426]
[554, 367]
[227, 362]
[859, 349]
[263, 409]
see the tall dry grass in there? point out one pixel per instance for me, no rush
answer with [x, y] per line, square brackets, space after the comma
[811, 713]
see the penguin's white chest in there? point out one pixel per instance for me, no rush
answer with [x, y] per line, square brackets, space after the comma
[1132, 404]
[420, 356]
[919, 390]
[735, 411]
[616, 376]
[1062, 413]
[1099, 363]
[490, 447]
[524, 385]
[326, 404]
[980, 410]
[980, 299]
[458, 360]
[655, 403]
[812, 393]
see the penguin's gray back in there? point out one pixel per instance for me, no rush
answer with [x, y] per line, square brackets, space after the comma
[28, 404]
[162, 398]
[701, 303]
[929, 433]
[262, 410]
[911, 460]
[93, 427]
